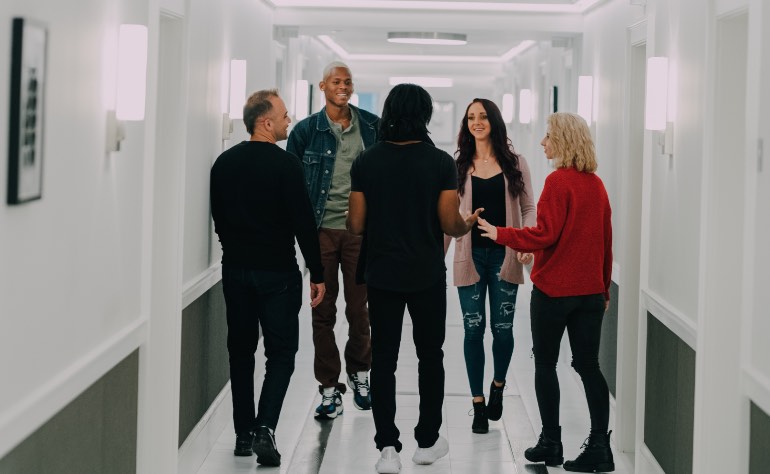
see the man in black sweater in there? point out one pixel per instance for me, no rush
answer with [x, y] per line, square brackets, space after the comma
[259, 204]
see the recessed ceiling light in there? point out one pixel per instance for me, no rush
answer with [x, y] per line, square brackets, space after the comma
[422, 81]
[417, 37]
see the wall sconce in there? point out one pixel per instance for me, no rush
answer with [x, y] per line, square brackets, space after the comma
[525, 106]
[354, 99]
[237, 96]
[507, 108]
[656, 102]
[301, 99]
[586, 98]
[131, 83]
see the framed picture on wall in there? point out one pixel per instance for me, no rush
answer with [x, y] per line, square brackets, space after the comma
[25, 141]
[442, 124]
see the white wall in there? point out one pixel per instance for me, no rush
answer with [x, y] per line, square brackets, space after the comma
[75, 276]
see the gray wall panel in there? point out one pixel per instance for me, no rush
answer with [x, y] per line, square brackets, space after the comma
[759, 454]
[93, 434]
[669, 398]
[204, 367]
[608, 350]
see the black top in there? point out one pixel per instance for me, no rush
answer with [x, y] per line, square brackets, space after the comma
[490, 194]
[403, 237]
[260, 204]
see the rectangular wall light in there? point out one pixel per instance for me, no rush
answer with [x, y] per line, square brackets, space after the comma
[525, 106]
[656, 94]
[131, 87]
[301, 99]
[237, 88]
[586, 98]
[507, 108]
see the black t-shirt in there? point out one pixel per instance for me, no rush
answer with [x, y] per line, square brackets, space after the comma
[260, 204]
[404, 241]
[490, 194]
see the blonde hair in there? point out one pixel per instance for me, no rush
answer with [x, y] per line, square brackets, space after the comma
[571, 143]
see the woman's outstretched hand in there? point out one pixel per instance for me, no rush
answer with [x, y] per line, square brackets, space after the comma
[487, 229]
[525, 258]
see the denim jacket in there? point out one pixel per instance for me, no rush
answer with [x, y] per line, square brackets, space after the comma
[314, 143]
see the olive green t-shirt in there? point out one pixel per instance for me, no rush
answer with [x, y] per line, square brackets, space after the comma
[349, 145]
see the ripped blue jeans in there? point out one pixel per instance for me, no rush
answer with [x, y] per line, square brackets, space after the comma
[502, 304]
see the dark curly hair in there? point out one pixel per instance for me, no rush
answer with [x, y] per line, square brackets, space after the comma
[406, 114]
[501, 145]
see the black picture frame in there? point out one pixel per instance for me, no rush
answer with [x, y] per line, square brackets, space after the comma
[29, 41]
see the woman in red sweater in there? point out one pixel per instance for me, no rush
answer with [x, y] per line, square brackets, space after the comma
[572, 243]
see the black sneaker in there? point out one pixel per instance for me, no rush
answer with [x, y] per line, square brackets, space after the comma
[243, 443]
[264, 447]
[495, 405]
[359, 383]
[331, 405]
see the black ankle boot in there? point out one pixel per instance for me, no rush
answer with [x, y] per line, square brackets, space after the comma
[596, 455]
[548, 448]
[480, 422]
[495, 405]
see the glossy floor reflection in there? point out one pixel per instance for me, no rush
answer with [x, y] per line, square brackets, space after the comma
[346, 445]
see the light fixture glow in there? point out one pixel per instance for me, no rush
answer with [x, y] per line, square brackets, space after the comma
[301, 99]
[525, 106]
[447, 39]
[132, 72]
[586, 98]
[577, 7]
[237, 88]
[656, 94]
[353, 99]
[422, 81]
[508, 108]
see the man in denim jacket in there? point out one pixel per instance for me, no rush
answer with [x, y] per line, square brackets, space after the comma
[327, 142]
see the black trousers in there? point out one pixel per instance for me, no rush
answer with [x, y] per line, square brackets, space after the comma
[271, 300]
[582, 317]
[427, 309]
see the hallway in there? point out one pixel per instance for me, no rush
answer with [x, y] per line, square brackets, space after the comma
[346, 445]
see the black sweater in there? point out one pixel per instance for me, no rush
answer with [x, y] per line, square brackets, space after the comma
[260, 204]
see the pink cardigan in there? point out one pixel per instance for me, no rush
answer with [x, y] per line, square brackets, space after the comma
[517, 210]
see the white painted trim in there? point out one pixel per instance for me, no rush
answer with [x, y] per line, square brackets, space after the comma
[19, 421]
[671, 317]
[637, 33]
[616, 272]
[204, 436]
[757, 387]
[198, 286]
[647, 463]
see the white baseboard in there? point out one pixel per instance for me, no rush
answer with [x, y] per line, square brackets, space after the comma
[646, 462]
[204, 436]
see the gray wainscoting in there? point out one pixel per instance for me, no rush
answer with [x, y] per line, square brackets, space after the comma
[669, 398]
[759, 454]
[608, 350]
[93, 434]
[204, 369]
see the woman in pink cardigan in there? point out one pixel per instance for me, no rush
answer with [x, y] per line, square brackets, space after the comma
[494, 177]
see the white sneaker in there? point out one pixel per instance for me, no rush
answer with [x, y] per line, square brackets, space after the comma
[430, 455]
[389, 462]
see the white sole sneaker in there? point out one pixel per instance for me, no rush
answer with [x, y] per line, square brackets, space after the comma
[430, 455]
[389, 462]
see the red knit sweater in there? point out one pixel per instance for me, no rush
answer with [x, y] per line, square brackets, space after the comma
[572, 241]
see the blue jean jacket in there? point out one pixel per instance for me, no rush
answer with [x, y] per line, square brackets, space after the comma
[313, 142]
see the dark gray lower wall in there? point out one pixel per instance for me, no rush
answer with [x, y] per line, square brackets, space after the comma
[93, 434]
[669, 399]
[759, 442]
[608, 350]
[204, 369]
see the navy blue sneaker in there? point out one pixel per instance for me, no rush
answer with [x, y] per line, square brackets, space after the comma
[359, 383]
[331, 404]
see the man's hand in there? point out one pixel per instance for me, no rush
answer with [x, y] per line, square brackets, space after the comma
[473, 218]
[487, 229]
[317, 292]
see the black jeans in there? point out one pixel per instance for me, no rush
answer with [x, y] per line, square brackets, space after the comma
[272, 300]
[582, 317]
[386, 314]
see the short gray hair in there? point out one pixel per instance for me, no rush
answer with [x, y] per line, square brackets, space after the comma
[335, 65]
[257, 106]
